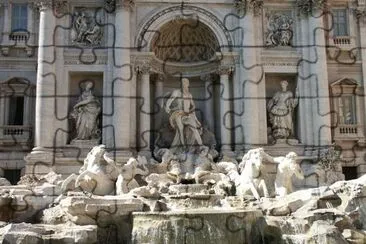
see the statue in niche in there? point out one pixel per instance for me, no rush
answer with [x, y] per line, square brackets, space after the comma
[182, 118]
[279, 30]
[281, 108]
[86, 31]
[86, 112]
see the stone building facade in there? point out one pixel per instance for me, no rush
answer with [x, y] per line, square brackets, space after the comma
[235, 54]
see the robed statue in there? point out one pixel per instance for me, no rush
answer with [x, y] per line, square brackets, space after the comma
[281, 108]
[85, 113]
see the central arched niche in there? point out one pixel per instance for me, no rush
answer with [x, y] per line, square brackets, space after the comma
[185, 41]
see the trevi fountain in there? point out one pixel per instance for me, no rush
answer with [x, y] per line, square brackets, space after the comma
[187, 192]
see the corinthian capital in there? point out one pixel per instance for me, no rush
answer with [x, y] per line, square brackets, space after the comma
[242, 6]
[58, 6]
[143, 67]
[306, 7]
[126, 4]
[225, 70]
[360, 14]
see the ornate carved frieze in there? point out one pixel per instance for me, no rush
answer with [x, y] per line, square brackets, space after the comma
[279, 29]
[242, 6]
[306, 7]
[86, 28]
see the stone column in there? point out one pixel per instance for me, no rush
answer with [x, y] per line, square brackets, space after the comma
[144, 109]
[247, 87]
[225, 110]
[123, 75]
[305, 110]
[209, 108]
[6, 27]
[319, 81]
[361, 17]
[45, 93]
[158, 100]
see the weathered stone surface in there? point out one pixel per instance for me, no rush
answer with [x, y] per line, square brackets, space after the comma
[201, 226]
[4, 182]
[323, 232]
[24, 233]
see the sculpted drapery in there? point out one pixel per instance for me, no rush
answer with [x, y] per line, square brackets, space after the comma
[85, 113]
[281, 108]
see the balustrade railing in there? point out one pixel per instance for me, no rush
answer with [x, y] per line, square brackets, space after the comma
[21, 133]
[343, 42]
[344, 131]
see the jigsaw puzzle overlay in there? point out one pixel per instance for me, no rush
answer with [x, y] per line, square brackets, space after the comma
[116, 114]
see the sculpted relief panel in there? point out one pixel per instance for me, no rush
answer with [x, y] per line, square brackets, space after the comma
[279, 29]
[86, 27]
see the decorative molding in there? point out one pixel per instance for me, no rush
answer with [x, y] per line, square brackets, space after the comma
[125, 4]
[58, 6]
[306, 7]
[75, 59]
[225, 70]
[360, 14]
[242, 6]
[181, 8]
[110, 5]
[61, 7]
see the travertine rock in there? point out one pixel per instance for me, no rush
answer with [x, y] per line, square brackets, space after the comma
[24, 233]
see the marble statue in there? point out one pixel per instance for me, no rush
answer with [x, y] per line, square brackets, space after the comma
[86, 32]
[126, 179]
[182, 118]
[86, 112]
[98, 174]
[287, 167]
[279, 30]
[251, 178]
[280, 109]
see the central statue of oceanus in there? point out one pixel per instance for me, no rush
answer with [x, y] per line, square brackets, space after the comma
[182, 118]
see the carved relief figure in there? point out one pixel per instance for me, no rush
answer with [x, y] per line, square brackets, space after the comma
[86, 31]
[126, 179]
[183, 119]
[281, 108]
[85, 113]
[279, 30]
[286, 169]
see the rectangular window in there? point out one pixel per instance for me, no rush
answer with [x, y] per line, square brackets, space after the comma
[16, 109]
[340, 25]
[19, 17]
[347, 110]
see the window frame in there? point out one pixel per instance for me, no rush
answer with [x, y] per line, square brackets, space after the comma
[26, 18]
[346, 24]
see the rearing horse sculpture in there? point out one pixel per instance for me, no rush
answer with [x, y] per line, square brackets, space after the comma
[251, 176]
